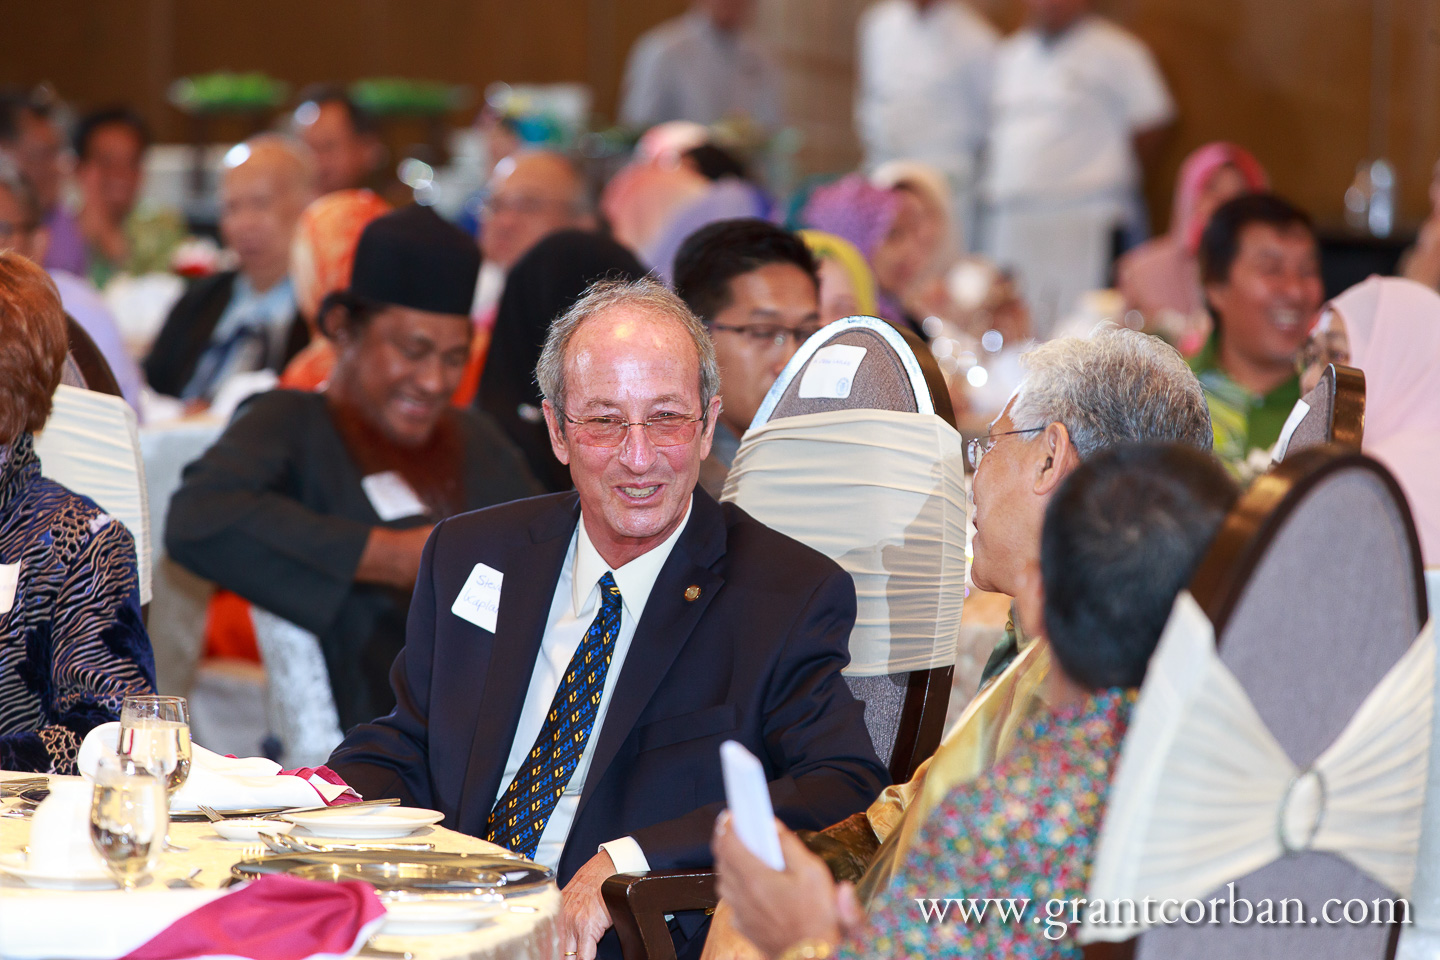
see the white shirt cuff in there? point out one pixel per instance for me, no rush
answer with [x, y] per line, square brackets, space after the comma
[626, 855]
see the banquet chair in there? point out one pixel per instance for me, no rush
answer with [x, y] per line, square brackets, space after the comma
[1280, 739]
[85, 366]
[1336, 412]
[91, 444]
[867, 432]
[299, 704]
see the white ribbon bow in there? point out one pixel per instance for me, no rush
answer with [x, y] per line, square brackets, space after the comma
[1203, 794]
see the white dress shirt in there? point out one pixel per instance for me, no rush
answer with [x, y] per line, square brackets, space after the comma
[1065, 111]
[687, 69]
[924, 84]
[572, 610]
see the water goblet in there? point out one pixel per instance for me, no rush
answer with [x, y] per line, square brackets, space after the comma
[129, 816]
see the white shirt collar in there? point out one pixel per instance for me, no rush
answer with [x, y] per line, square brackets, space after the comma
[635, 579]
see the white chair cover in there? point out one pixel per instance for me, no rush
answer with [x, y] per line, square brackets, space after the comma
[91, 444]
[300, 705]
[1204, 794]
[1422, 940]
[881, 493]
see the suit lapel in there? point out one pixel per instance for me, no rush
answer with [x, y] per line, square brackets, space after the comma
[664, 628]
[525, 598]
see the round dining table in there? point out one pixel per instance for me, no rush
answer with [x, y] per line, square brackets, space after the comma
[48, 923]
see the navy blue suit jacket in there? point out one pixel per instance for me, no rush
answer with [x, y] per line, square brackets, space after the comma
[756, 657]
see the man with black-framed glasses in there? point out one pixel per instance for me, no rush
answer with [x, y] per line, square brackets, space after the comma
[756, 288]
[573, 662]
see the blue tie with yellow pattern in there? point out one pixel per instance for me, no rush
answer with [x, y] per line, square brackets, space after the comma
[520, 815]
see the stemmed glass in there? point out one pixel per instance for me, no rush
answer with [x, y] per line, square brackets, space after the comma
[129, 817]
[155, 733]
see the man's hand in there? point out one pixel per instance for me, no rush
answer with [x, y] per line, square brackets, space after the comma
[392, 557]
[584, 917]
[724, 942]
[776, 908]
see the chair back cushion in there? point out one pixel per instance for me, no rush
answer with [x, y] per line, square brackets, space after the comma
[859, 363]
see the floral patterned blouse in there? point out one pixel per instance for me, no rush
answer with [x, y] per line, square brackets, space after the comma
[1024, 830]
[72, 642]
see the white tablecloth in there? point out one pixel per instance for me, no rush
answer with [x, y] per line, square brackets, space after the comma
[49, 923]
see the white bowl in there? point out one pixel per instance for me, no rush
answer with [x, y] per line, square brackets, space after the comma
[249, 829]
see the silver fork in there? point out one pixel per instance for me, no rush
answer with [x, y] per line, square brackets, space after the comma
[210, 813]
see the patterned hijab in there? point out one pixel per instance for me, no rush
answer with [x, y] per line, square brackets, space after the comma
[1195, 174]
[854, 209]
[323, 251]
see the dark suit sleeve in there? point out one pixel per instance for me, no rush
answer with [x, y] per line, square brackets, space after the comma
[389, 757]
[819, 756]
[235, 520]
[171, 361]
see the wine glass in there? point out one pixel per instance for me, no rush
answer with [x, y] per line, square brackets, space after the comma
[155, 733]
[129, 816]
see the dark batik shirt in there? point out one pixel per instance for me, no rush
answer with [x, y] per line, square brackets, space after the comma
[72, 644]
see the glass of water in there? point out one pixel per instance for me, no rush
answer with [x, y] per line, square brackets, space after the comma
[155, 733]
[129, 816]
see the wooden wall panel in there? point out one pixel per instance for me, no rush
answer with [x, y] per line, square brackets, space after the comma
[97, 51]
[1288, 78]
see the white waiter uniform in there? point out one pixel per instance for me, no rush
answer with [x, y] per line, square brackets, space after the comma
[923, 91]
[1062, 171]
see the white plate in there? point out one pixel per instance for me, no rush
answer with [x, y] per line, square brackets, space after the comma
[15, 865]
[371, 823]
[433, 917]
[249, 830]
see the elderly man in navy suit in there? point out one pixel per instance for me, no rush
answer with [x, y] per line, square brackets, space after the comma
[573, 663]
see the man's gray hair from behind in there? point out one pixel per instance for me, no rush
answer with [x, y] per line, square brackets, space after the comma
[1116, 386]
[644, 294]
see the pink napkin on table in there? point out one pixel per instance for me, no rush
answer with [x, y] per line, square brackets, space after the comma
[323, 774]
[274, 917]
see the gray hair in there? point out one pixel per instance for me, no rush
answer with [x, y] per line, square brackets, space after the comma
[644, 294]
[1116, 386]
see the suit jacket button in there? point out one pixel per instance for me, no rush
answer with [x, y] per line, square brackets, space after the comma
[692, 593]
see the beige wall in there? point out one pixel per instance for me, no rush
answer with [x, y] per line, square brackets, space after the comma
[1288, 78]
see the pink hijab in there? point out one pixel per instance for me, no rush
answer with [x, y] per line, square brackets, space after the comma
[1195, 174]
[1394, 330]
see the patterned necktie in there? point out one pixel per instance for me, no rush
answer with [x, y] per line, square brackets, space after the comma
[520, 815]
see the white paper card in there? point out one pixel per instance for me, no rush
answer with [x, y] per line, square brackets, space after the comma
[831, 371]
[9, 578]
[748, 797]
[479, 599]
[391, 496]
[1297, 414]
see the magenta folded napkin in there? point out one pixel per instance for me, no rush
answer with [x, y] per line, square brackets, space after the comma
[275, 917]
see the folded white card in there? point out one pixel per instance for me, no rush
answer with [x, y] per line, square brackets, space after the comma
[479, 599]
[830, 373]
[391, 496]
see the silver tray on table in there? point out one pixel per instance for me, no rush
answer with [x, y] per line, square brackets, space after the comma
[418, 872]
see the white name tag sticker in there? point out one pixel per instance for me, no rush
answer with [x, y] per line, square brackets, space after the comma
[479, 599]
[9, 578]
[391, 496]
[831, 372]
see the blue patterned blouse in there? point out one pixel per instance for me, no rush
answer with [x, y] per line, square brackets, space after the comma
[72, 644]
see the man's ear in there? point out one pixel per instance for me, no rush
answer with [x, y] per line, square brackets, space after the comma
[712, 417]
[557, 435]
[1030, 600]
[1060, 459]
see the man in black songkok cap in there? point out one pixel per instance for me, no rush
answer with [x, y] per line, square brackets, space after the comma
[315, 507]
